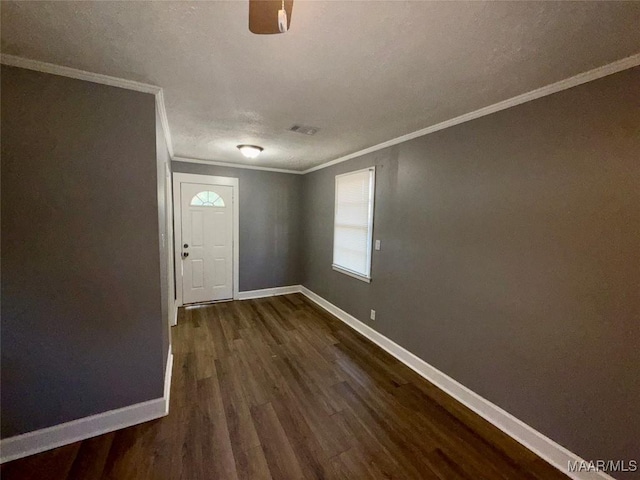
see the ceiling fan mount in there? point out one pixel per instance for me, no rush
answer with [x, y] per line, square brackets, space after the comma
[268, 17]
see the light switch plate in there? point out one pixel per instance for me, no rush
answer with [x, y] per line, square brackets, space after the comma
[377, 244]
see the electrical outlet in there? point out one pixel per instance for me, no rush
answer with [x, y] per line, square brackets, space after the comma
[373, 314]
[377, 244]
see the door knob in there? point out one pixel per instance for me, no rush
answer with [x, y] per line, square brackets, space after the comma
[185, 254]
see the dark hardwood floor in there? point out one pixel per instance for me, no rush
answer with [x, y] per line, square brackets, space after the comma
[277, 388]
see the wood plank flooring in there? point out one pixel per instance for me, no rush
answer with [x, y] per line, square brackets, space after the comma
[277, 388]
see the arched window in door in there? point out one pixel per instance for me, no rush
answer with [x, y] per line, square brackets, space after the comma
[207, 199]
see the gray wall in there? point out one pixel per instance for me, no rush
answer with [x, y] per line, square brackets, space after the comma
[511, 259]
[82, 327]
[270, 224]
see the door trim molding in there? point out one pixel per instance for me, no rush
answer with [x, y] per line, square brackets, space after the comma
[174, 320]
[179, 178]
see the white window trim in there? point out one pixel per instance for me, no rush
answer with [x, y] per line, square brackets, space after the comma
[351, 274]
[338, 268]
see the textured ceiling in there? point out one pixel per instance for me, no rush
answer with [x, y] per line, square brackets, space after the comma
[362, 72]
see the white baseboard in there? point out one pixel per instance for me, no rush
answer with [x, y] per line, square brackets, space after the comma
[544, 447]
[555, 454]
[269, 292]
[38, 441]
[168, 374]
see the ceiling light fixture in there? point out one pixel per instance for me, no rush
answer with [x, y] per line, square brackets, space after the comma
[250, 151]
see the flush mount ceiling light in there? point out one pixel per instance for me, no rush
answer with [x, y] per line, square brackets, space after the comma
[250, 151]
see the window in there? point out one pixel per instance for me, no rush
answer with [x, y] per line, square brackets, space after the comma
[353, 223]
[207, 199]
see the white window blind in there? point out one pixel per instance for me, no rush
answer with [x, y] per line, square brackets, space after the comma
[353, 223]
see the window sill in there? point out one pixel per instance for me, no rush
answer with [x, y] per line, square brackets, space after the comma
[362, 278]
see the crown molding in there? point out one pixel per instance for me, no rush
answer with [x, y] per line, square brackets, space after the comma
[585, 77]
[14, 61]
[234, 165]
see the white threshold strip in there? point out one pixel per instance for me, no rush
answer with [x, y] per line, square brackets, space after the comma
[550, 451]
[38, 441]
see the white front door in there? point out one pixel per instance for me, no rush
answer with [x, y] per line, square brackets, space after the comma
[207, 242]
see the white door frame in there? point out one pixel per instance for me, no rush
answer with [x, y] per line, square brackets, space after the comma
[179, 178]
[169, 241]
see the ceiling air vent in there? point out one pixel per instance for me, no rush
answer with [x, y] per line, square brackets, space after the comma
[304, 130]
